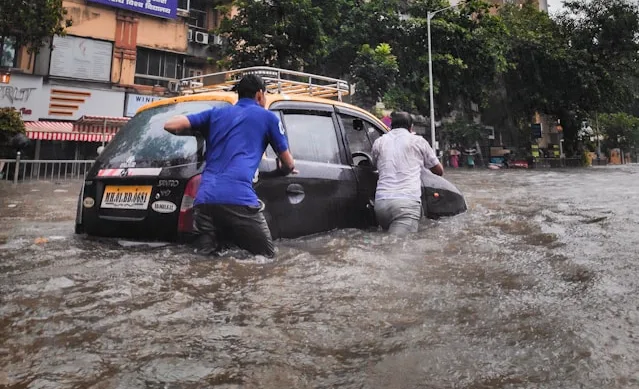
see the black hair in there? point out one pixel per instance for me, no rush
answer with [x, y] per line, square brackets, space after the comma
[401, 119]
[249, 85]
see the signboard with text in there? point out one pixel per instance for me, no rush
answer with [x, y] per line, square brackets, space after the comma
[82, 58]
[25, 94]
[159, 8]
[135, 101]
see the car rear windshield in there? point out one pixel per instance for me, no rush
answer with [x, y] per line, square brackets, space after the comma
[144, 141]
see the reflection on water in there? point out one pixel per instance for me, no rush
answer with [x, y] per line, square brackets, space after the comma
[533, 288]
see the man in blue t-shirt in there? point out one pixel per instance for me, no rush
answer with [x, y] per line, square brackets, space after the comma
[236, 138]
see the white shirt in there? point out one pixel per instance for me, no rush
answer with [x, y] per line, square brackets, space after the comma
[400, 157]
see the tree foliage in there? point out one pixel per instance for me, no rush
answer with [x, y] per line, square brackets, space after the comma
[604, 52]
[11, 124]
[620, 130]
[281, 33]
[374, 71]
[462, 132]
[511, 63]
[32, 21]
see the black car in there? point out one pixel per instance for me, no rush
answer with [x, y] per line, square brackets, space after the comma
[144, 182]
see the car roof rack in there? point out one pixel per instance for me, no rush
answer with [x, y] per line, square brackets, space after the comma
[277, 81]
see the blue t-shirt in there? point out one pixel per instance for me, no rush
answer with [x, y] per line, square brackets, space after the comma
[236, 138]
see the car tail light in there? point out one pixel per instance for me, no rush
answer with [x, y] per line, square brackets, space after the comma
[185, 222]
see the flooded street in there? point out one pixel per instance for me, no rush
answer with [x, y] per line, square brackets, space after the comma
[534, 287]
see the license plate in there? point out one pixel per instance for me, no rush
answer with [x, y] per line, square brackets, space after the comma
[126, 197]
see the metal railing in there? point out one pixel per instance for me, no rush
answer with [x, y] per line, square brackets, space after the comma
[32, 170]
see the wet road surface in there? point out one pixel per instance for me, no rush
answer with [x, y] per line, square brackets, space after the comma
[535, 287]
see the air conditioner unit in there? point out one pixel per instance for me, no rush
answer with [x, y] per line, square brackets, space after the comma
[190, 35]
[218, 40]
[174, 86]
[202, 37]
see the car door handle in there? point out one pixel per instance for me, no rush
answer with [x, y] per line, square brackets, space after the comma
[295, 189]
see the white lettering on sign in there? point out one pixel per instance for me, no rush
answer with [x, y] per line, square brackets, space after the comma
[13, 93]
[163, 206]
[156, 8]
[168, 183]
[134, 102]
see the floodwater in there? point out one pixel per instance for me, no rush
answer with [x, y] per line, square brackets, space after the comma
[534, 287]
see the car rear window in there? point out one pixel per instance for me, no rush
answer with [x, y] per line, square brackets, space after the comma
[144, 140]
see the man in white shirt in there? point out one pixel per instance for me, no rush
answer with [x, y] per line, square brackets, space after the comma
[400, 157]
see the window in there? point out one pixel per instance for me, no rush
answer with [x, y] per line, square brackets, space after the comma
[154, 67]
[197, 12]
[8, 52]
[194, 73]
[355, 134]
[145, 139]
[360, 135]
[311, 136]
[197, 19]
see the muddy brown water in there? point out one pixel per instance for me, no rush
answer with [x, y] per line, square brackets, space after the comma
[534, 287]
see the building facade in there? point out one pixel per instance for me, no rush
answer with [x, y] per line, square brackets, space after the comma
[117, 56]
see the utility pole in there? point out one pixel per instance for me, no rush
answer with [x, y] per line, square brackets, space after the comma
[429, 17]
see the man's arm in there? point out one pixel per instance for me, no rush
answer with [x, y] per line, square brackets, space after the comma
[278, 141]
[431, 162]
[182, 123]
[375, 152]
[287, 163]
[438, 169]
[177, 124]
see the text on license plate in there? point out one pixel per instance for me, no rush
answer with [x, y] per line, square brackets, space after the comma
[126, 197]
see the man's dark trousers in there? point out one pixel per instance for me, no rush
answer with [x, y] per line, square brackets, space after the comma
[243, 225]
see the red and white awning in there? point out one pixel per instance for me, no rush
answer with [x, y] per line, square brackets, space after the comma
[86, 129]
[72, 136]
[99, 124]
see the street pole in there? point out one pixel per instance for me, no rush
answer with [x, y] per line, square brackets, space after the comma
[430, 83]
[104, 131]
[598, 137]
[429, 17]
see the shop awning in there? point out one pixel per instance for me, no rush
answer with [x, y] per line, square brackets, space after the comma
[63, 131]
[99, 124]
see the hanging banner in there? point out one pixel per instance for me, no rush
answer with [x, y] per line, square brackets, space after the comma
[159, 8]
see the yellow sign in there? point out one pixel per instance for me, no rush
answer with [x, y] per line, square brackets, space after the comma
[126, 197]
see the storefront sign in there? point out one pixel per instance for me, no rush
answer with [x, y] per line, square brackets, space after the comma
[84, 101]
[134, 102]
[24, 93]
[81, 58]
[160, 8]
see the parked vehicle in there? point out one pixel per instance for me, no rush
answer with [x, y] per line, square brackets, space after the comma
[144, 182]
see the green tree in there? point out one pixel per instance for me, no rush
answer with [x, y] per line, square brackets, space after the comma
[374, 71]
[620, 130]
[30, 22]
[467, 56]
[604, 50]
[281, 33]
[461, 132]
[11, 124]
[349, 24]
[603, 60]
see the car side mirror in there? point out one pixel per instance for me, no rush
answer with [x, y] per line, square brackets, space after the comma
[358, 125]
